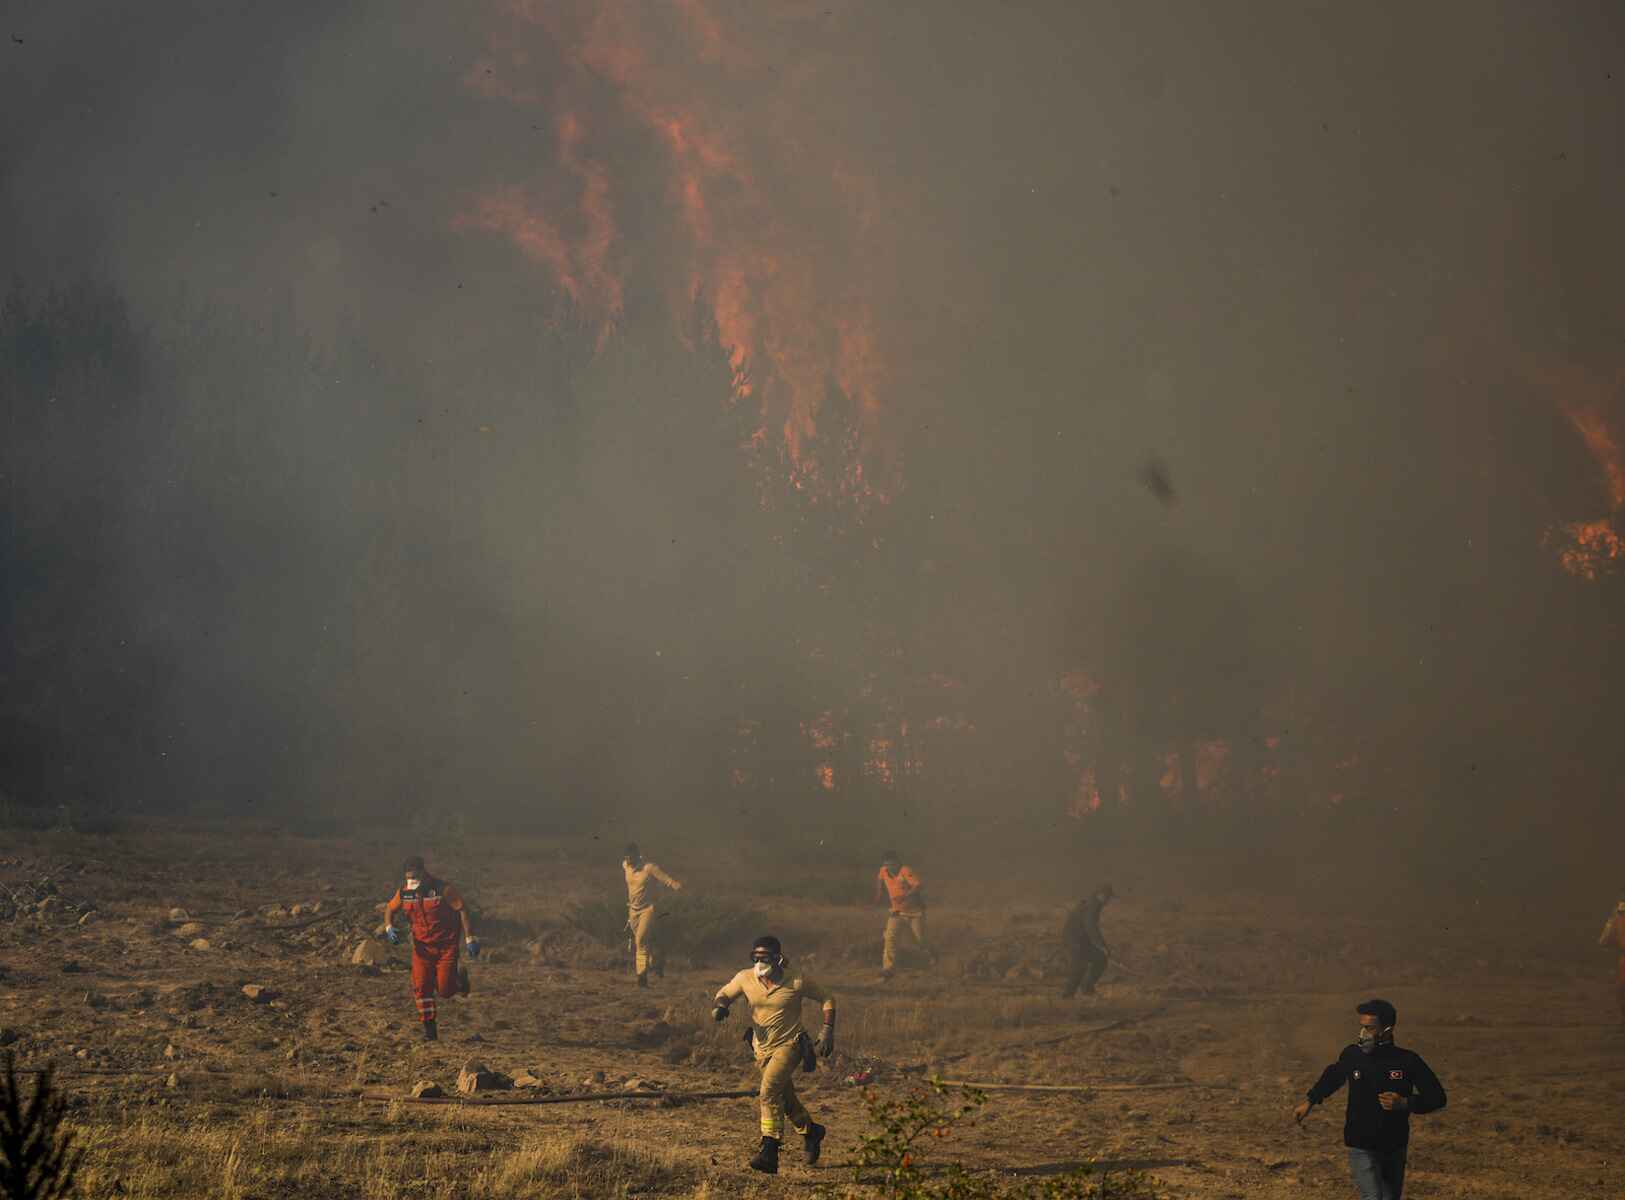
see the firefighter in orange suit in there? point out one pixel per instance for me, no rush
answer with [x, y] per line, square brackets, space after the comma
[1613, 934]
[898, 886]
[438, 920]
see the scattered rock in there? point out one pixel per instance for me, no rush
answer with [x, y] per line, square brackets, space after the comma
[258, 993]
[82, 1052]
[8, 1036]
[170, 1051]
[71, 967]
[94, 999]
[476, 1077]
[199, 944]
[87, 918]
[179, 914]
[242, 914]
[274, 911]
[473, 1037]
[297, 910]
[527, 1079]
[191, 929]
[426, 1089]
[593, 1078]
[368, 954]
[174, 1081]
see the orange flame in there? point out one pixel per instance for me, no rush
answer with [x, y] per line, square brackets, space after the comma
[774, 232]
[1592, 549]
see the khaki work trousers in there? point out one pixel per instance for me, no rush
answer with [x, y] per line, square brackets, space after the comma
[888, 944]
[643, 937]
[778, 1094]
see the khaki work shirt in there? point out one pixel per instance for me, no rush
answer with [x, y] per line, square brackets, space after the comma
[775, 1008]
[638, 891]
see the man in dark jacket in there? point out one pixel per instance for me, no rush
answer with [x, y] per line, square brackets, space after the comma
[1386, 1085]
[1086, 950]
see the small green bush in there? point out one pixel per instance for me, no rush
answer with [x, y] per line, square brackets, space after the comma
[900, 1127]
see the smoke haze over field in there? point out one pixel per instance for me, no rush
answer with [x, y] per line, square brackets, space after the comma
[616, 411]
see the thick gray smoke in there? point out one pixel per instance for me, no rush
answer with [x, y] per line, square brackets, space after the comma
[335, 486]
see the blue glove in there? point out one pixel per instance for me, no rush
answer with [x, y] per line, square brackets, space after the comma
[394, 935]
[473, 944]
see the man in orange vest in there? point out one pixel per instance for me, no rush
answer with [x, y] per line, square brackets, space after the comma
[438, 920]
[1613, 934]
[899, 886]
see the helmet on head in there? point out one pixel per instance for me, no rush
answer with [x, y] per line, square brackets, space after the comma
[631, 852]
[414, 867]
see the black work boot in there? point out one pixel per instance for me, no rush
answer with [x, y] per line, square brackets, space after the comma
[767, 1158]
[430, 1031]
[812, 1142]
[643, 979]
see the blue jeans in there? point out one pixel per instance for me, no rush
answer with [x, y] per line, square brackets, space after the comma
[1379, 1174]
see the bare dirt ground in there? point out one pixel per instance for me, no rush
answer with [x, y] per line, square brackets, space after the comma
[1223, 1010]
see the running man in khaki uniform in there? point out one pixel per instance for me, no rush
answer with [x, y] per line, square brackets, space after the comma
[899, 886]
[640, 910]
[775, 991]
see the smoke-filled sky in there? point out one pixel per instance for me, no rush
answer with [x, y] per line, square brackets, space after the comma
[937, 280]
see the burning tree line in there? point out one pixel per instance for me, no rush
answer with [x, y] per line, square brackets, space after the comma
[251, 568]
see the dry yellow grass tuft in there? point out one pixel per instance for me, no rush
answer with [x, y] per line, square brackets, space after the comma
[273, 1152]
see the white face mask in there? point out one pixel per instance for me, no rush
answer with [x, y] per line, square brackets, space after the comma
[763, 970]
[413, 885]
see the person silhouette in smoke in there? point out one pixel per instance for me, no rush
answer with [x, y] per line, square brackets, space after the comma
[640, 911]
[1085, 944]
[438, 920]
[775, 992]
[897, 885]
[1613, 934]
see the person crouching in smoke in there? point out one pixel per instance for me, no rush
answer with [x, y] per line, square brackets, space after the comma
[438, 920]
[775, 992]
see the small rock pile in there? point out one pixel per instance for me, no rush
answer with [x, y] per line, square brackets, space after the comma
[43, 900]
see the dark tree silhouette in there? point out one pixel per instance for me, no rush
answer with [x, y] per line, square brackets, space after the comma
[37, 1157]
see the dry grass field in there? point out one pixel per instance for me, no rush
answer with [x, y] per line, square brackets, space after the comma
[1224, 1008]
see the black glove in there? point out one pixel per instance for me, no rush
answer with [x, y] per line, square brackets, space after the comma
[825, 1045]
[719, 1014]
[804, 1045]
